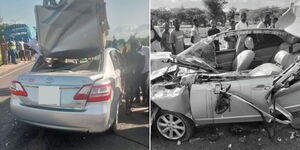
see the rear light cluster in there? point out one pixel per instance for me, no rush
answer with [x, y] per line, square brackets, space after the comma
[94, 93]
[17, 88]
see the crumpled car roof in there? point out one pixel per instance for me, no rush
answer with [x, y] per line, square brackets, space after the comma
[72, 29]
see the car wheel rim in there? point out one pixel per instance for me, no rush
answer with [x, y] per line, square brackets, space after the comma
[170, 126]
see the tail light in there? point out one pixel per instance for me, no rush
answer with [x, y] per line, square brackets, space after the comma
[94, 93]
[83, 92]
[16, 88]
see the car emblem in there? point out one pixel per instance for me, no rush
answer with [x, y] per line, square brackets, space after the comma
[49, 80]
[54, 3]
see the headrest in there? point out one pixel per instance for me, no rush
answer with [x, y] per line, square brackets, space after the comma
[281, 56]
[291, 39]
[284, 46]
[249, 42]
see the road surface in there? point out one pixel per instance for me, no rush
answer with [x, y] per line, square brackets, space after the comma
[132, 131]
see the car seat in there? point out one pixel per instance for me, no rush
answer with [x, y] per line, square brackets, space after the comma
[245, 58]
[282, 60]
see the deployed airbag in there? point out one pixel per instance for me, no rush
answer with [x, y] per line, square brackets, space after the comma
[72, 29]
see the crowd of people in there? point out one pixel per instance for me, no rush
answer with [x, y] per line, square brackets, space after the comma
[13, 50]
[135, 68]
[173, 41]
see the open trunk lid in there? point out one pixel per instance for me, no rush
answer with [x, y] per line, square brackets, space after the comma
[56, 89]
[72, 28]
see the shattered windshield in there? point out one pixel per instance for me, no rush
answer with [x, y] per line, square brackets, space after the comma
[201, 54]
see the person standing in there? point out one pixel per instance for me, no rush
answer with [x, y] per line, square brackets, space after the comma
[274, 21]
[177, 38]
[144, 50]
[242, 24]
[165, 38]
[21, 50]
[265, 23]
[4, 50]
[195, 33]
[212, 31]
[12, 50]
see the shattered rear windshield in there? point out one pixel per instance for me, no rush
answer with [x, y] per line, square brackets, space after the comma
[65, 64]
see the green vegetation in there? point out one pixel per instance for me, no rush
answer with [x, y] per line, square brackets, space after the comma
[214, 9]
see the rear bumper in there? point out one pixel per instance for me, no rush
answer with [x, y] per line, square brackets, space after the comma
[95, 118]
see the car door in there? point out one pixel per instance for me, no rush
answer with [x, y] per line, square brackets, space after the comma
[203, 99]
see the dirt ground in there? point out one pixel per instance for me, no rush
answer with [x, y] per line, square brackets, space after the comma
[246, 136]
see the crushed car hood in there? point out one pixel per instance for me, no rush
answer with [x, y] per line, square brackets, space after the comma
[290, 20]
[72, 29]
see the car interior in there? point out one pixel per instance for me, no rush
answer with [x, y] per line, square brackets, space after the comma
[258, 54]
[59, 64]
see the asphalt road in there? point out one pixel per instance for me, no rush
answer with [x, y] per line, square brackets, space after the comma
[132, 131]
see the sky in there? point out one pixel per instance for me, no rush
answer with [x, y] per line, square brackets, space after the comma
[118, 11]
[239, 4]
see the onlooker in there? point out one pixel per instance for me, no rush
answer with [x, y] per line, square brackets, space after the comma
[21, 50]
[231, 40]
[274, 21]
[12, 50]
[265, 23]
[177, 38]
[27, 50]
[155, 39]
[242, 24]
[212, 31]
[144, 82]
[195, 33]
[165, 38]
[4, 50]
[232, 25]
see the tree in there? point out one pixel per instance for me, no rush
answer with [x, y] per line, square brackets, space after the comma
[215, 9]
[231, 14]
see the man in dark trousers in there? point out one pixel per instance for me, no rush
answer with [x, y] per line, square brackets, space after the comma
[212, 31]
[4, 50]
[134, 66]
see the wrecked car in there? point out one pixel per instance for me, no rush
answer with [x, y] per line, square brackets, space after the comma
[76, 84]
[254, 77]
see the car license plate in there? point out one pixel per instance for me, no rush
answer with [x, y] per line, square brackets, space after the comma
[49, 95]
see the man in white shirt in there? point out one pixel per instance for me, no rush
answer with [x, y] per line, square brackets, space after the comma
[195, 34]
[21, 50]
[242, 24]
[265, 23]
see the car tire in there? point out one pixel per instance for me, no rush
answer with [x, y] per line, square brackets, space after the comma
[182, 127]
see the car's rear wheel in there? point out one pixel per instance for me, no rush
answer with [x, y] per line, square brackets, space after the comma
[174, 126]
